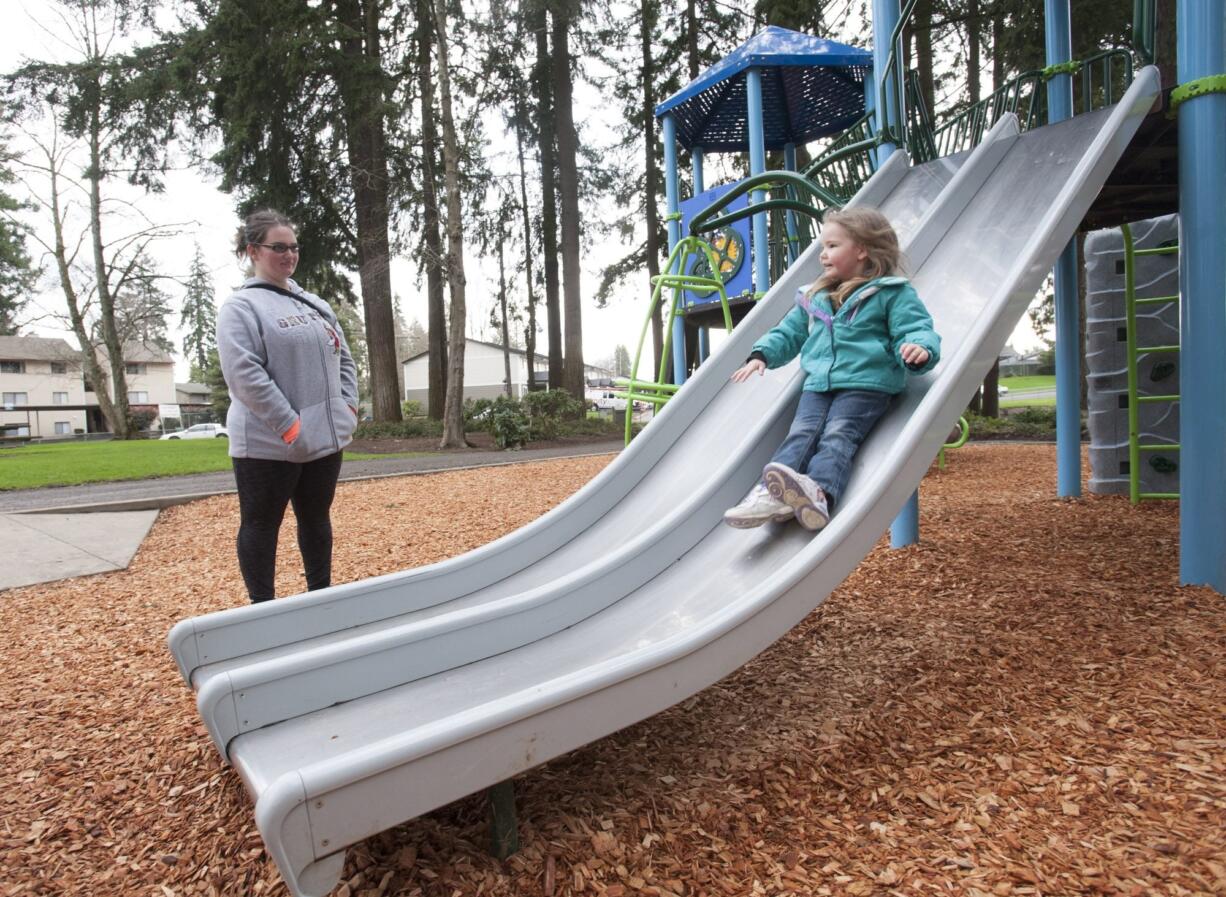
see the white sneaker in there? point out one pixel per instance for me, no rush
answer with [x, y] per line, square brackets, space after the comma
[798, 492]
[757, 508]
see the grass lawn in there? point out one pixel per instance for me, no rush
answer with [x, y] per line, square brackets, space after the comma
[73, 463]
[1044, 381]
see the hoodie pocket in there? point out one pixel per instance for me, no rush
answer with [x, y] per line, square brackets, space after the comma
[315, 438]
[344, 422]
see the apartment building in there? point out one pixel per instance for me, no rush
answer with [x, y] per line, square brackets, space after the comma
[43, 391]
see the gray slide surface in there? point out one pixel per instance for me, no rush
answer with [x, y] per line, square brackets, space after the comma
[350, 710]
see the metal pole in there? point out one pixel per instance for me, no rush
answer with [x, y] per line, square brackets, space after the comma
[696, 163]
[885, 18]
[1068, 329]
[904, 530]
[757, 165]
[1202, 306]
[789, 162]
[674, 234]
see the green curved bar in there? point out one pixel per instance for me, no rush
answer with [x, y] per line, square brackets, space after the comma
[659, 392]
[790, 205]
[964, 434]
[758, 182]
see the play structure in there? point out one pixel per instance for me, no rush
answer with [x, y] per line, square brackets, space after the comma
[350, 710]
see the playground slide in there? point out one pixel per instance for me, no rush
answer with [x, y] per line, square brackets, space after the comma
[461, 675]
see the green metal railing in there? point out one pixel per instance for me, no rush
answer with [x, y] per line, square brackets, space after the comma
[1131, 301]
[1100, 79]
[659, 391]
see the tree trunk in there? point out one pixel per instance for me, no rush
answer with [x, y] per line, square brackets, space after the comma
[432, 244]
[651, 182]
[991, 395]
[506, 330]
[923, 54]
[568, 169]
[973, 24]
[118, 418]
[89, 356]
[530, 330]
[691, 38]
[361, 84]
[549, 221]
[453, 414]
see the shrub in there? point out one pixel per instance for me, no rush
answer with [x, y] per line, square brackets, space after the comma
[509, 423]
[141, 418]
[477, 413]
[556, 403]
[412, 408]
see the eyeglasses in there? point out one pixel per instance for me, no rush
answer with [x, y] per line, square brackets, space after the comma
[280, 248]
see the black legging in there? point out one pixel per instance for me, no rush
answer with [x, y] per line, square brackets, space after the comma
[264, 489]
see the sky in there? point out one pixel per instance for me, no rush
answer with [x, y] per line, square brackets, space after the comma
[205, 216]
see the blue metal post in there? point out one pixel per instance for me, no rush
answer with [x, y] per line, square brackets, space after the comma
[757, 165]
[885, 18]
[1068, 329]
[870, 107]
[1202, 277]
[904, 530]
[674, 234]
[704, 338]
[789, 162]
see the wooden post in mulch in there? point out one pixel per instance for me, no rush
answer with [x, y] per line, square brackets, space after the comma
[504, 827]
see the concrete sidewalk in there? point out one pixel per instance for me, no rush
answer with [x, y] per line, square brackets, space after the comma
[64, 531]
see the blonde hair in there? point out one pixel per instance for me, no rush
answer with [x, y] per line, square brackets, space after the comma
[872, 232]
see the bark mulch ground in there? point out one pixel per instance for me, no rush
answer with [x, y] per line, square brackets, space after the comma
[1025, 703]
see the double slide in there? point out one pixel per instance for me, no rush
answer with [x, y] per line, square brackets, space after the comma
[350, 710]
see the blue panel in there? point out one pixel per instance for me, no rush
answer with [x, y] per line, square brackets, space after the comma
[741, 282]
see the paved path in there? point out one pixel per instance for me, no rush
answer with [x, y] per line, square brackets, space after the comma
[63, 531]
[165, 491]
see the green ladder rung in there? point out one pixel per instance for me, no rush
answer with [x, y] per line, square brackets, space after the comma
[1157, 250]
[1158, 447]
[1174, 398]
[1156, 300]
[1143, 349]
[1157, 495]
[686, 280]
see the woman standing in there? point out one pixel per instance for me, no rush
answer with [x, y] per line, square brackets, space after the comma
[294, 404]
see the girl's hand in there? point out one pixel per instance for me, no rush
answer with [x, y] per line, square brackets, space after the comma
[754, 365]
[915, 356]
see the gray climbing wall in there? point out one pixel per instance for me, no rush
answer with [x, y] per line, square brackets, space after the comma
[1107, 357]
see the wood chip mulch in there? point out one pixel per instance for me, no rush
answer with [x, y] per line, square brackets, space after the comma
[1025, 703]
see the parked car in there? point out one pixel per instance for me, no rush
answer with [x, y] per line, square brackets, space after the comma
[200, 431]
[606, 400]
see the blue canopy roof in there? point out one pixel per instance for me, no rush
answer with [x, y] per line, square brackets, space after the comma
[811, 87]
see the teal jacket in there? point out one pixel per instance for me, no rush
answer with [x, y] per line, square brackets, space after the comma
[857, 346]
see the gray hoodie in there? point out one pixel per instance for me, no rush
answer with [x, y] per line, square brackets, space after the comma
[284, 358]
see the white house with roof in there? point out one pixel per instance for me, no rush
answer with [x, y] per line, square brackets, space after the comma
[485, 373]
[44, 392]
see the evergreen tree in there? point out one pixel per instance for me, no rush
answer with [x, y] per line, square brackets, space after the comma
[621, 361]
[219, 393]
[199, 316]
[17, 271]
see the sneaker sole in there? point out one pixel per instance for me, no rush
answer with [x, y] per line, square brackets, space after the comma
[747, 522]
[787, 489]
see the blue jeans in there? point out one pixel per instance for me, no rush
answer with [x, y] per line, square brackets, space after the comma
[826, 431]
